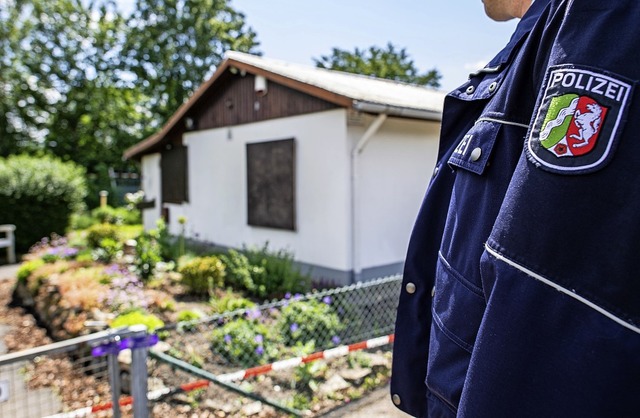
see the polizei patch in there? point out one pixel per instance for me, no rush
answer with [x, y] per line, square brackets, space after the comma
[578, 121]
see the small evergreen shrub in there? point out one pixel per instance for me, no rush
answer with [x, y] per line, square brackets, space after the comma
[230, 303]
[201, 275]
[27, 268]
[280, 274]
[241, 273]
[151, 321]
[38, 195]
[97, 233]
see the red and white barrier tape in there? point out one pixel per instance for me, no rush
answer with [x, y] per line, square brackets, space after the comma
[340, 351]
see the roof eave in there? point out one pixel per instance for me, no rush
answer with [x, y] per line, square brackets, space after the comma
[400, 111]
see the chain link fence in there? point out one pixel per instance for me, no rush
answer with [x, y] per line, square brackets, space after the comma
[303, 355]
[77, 377]
[266, 353]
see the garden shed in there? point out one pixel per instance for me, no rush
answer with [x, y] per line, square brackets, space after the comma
[328, 165]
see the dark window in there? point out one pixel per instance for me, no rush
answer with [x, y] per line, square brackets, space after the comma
[271, 184]
[173, 165]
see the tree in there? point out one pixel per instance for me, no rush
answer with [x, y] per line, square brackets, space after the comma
[386, 63]
[173, 45]
[61, 79]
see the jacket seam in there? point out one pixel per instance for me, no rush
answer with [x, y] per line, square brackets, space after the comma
[478, 291]
[572, 293]
[453, 337]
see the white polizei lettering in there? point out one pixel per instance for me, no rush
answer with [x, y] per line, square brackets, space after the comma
[589, 83]
[584, 81]
[598, 89]
[556, 78]
[611, 91]
[622, 92]
[569, 80]
[464, 145]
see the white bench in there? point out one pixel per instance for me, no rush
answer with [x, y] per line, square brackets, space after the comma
[8, 242]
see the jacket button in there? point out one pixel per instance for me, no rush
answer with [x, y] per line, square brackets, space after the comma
[435, 171]
[470, 90]
[492, 87]
[476, 153]
[396, 399]
[433, 291]
[411, 288]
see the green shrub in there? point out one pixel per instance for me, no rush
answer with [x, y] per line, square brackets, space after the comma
[241, 274]
[39, 195]
[116, 216]
[97, 233]
[230, 303]
[147, 254]
[312, 320]
[80, 221]
[27, 268]
[151, 321]
[244, 343]
[108, 250]
[280, 274]
[201, 275]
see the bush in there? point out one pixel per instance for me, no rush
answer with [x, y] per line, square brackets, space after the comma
[312, 320]
[241, 274]
[148, 252]
[27, 268]
[244, 343]
[280, 274]
[151, 321]
[39, 195]
[201, 275]
[99, 232]
[116, 216]
[230, 303]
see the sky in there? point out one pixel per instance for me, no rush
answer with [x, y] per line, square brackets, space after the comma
[453, 36]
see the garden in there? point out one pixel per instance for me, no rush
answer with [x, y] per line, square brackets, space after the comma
[217, 310]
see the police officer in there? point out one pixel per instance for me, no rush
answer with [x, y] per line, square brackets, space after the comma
[521, 290]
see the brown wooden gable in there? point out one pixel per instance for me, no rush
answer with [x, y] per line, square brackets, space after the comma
[234, 101]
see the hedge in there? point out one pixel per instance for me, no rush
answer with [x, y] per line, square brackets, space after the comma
[38, 195]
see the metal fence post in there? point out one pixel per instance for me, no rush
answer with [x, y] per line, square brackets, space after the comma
[114, 379]
[139, 373]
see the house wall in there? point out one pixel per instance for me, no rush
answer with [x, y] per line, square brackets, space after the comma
[151, 184]
[393, 172]
[217, 208]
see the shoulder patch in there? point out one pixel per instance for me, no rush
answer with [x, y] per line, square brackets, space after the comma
[579, 119]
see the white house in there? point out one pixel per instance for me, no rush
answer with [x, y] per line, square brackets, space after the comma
[329, 165]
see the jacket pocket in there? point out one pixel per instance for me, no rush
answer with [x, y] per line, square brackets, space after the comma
[458, 306]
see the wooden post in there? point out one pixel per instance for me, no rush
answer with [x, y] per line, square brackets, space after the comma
[103, 198]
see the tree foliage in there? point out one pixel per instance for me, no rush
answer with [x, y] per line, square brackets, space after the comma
[389, 63]
[174, 45]
[80, 81]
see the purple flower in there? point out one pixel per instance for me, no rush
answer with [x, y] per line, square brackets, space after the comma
[336, 340]
[297, 296]
[258, 338]
[253, 314]
[294, 327]
[259, 350]
[227, 339]
[327, 300]
[287, 295]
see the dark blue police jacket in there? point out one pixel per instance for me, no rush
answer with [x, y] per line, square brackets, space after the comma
[521, 291]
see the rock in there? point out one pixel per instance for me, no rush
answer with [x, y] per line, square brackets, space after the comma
[252, 408]
[334, 384]
[355, 376]
[221, 408]
[376, 360]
